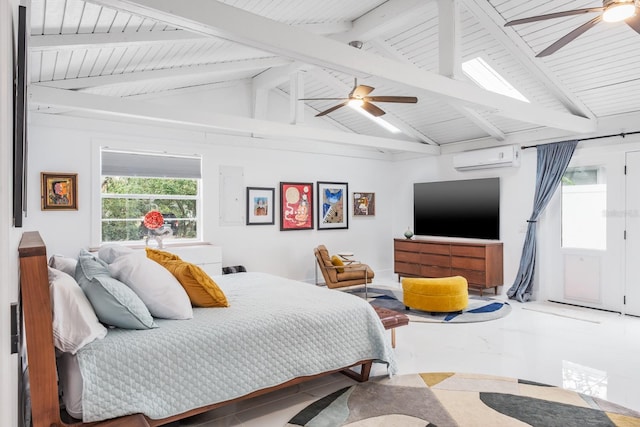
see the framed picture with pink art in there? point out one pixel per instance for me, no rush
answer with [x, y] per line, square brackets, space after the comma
[296, 206]
[333, 212]
[59, 191]
[260, 206]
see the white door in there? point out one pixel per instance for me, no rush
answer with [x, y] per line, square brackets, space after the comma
[581, 236]
[632, 224]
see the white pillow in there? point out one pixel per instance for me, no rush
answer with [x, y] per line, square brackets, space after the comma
[63, 263]
[75, 324]
[160, 291]
[110, 251]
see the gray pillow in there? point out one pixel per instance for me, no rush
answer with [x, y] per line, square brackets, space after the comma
[63, 263]
[110, 251]
[114, 302]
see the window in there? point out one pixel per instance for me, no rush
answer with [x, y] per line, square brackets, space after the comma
[134, 183]
[584, 207]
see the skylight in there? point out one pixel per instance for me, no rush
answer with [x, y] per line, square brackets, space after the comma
[483, 75]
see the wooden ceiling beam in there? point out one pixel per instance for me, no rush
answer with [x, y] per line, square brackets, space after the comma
[450, 61]
[220, 20]
[383, 19]
[466, 111]
[44, 42]
[205, 120]
[491, 20]
[167, 73]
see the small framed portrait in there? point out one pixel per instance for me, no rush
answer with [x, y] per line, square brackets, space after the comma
[296, 206]
[333, 212]
[59, 191]
[260, 206]
[364, 204]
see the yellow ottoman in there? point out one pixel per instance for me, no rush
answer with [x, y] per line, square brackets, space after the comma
[440, 294]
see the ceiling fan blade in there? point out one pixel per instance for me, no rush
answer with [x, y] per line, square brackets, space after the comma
[553, 15]
[361, 91]
[372, 109]
[402, 99]
[323, 99]
[332, 109]
[634, 21]
[569, 37]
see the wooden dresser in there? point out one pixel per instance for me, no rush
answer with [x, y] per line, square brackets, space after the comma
[479, 262]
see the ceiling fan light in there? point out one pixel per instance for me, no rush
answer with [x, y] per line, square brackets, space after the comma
[357, 103]
[619, 12]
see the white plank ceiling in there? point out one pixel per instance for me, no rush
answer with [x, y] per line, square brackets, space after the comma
[111, 49]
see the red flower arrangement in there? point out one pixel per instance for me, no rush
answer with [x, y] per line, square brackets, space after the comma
[153, 220]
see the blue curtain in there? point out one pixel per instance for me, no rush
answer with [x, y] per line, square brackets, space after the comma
[553, 160]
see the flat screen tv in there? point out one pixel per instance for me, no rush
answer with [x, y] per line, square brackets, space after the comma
[20, 120]
[465, 208]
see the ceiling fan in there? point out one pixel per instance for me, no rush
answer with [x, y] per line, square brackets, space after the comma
[611, 11]
[359, 97]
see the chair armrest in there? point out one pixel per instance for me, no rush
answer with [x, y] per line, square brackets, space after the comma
[335, 267]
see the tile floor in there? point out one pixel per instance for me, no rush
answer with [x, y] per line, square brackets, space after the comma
[591, 351]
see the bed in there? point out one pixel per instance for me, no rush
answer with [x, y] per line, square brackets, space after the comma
[275, 333]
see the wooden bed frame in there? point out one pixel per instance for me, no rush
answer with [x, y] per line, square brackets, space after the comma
[38, 321]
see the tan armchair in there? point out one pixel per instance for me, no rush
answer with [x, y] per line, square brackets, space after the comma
[336, 276]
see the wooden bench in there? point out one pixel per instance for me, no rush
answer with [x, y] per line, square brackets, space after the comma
[391, 319]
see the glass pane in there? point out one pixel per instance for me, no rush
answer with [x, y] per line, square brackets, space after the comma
[161, 186]
[124, 208]
[584, 207]
[122, 219]
[187, 230]
[119, 231]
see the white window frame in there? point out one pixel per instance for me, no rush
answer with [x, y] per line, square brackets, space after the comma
[96, 182]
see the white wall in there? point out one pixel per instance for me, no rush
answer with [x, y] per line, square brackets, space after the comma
[70, 146]
[59, 144]
[265, 248]
[609, 153]
[8, 239]
[517, 186]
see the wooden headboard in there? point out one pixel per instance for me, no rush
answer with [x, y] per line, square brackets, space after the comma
[38, 322]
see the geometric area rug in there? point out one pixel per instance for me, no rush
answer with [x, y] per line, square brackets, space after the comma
[480, 309]
[455, 399]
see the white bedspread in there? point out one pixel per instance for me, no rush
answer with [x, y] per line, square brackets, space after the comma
[274, 330]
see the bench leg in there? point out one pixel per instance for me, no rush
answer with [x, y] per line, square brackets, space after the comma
[393, 338]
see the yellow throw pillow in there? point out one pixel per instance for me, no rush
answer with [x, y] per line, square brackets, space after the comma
[202, 290]
[337, 262]
[157, 255]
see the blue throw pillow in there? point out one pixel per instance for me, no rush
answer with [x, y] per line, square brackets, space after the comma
[114, 302]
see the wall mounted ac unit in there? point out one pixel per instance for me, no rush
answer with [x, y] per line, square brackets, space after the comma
[495, 157]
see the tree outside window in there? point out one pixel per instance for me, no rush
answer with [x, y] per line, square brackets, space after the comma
[126, 198]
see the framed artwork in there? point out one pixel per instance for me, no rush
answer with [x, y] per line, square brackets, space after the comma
[332, 205]
[364, 204]
[260, 206]
[59, 191]
[296, 206]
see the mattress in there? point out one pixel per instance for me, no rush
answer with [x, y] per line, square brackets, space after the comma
[275, 330]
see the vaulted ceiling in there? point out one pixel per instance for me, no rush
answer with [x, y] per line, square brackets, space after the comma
[115, 58]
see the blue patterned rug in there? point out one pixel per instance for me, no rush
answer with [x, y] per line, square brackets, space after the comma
[480, 309]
